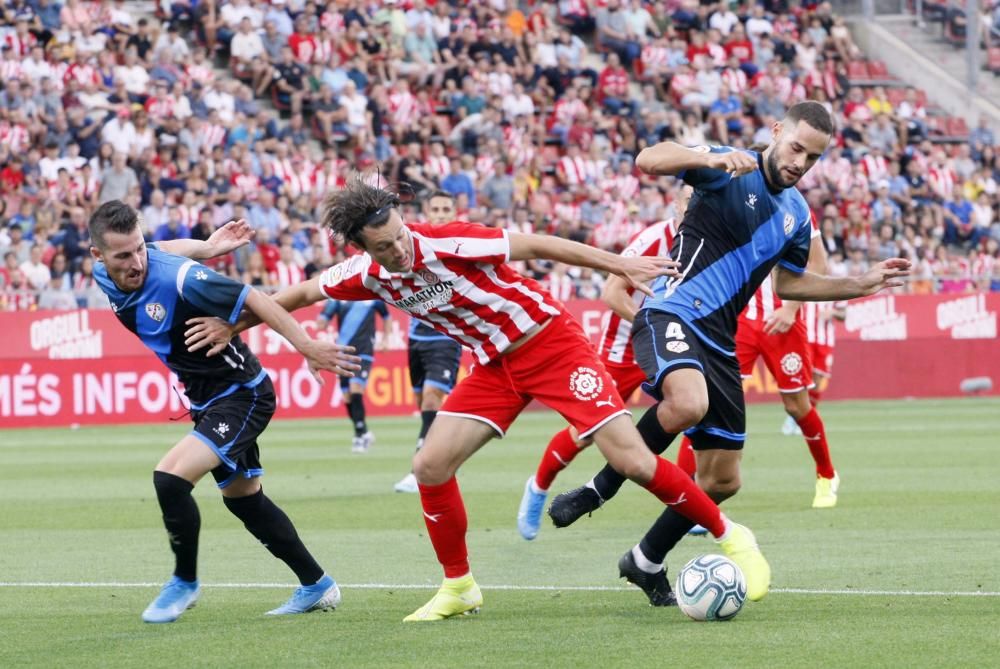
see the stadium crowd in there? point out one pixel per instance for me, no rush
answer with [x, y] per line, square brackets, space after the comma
[529, 113]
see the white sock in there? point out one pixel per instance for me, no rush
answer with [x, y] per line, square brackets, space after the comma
[643, 563]
[535, 489]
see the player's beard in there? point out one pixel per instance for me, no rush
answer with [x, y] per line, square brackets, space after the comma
[774, 170]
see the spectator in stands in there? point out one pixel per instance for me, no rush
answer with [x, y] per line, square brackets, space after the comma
[34, 269]
[981, 137]
[613, 33]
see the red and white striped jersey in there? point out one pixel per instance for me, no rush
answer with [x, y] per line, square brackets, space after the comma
[818, 317]
[439, 166]
[626, 186]
[11, 70]
[402, 108]
[875, 168]
[484, 166]
[458, 284]
[20, 45]
[567, 110]
[202, 74]
[300, 182]
[323, 181]
[736, 80]
[655, 57]
[765, 300]
[212, 135]
[189, 215]
[568, 211]
[560, 286]
[287, 275]
[248, 184]
[14, 136]
[615, 344]
[942, 180]
[573, 170]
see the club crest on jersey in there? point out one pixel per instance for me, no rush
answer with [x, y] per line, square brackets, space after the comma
[585, 383]
[156, 311]
[428, 276]
[789, 224]
[791, 363]
[677, 346]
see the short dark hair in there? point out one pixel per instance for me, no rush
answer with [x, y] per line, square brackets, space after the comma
[115, 216]
[813, 113]
[438, 193]
[358, 205]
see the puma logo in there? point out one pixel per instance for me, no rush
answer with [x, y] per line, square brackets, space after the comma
[815, 437]
[433, 518]
[610, 402]
[458, 246]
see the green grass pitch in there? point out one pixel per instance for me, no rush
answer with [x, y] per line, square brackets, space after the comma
[903, 573]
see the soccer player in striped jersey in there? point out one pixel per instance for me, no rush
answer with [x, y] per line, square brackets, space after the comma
[744, 219]
[455, 277]
[434, 358]
[615, 351]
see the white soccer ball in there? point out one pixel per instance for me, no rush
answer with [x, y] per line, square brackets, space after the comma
[711, 587]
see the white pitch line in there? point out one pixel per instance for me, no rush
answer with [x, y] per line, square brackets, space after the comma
[526, 588]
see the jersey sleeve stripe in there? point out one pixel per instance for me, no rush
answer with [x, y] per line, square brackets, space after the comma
[238, 307]
[181, 275]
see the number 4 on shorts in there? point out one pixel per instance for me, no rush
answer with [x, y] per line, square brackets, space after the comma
[674, 331]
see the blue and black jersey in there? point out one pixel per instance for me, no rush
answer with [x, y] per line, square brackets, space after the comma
[176, 289]
[734, 232]
[420, 331]
[356, 323]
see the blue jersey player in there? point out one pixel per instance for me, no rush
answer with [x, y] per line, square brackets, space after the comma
[433, 358]
[745, 219]
[153, 293]
[356, 328]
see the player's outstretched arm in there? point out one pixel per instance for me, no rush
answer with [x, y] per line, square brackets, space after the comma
[616, 296]
[321, 355]
[215, 333]
[670, 158]
[229, 237]
[636, 271]
[809, 287]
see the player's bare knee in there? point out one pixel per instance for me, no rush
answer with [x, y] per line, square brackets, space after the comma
[681, 411]
[429, 470]
[797, 405]
[719, 488]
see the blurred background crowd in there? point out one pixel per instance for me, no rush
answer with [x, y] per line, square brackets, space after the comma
[530, 113]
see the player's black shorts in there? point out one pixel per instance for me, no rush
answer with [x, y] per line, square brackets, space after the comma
[230, 426]
[663, 343]
[361, 376]
[434, 363]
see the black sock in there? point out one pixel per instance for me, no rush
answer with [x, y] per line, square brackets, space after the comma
[426, 418]
[271, 526]
[182, 520]
[608, 482]
[356, 410]
[668, 529]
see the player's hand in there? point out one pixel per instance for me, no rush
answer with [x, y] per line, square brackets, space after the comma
[209, 331]
[887, 274]
[325, 355]
[737, 163]
[781, 320]
[231, 236]
[640, 270]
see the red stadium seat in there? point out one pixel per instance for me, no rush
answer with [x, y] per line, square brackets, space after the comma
[857, 70]
[878, 70]
[955, 126]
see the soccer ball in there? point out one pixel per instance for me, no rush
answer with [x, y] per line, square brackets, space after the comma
[711, 587]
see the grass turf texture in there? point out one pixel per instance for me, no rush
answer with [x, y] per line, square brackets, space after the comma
[917, 513]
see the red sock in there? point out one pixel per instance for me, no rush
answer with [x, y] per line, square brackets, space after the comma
[815, 436]
[814, 395]
[685, 457]
[674, 487]
[560, 452]
[444, 515]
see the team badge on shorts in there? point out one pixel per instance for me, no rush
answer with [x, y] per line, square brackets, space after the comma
[585, 383]
[156, 311]
[791, 363]
[677, 346]
[789, 224]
